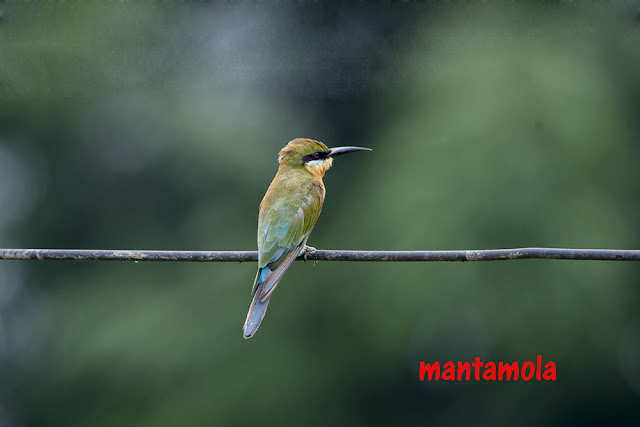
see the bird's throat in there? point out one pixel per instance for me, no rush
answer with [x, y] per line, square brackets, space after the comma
[319, 167]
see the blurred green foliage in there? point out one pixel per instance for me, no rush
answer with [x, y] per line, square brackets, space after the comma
[157, 125]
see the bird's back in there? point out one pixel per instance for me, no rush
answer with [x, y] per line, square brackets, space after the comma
[288, 211]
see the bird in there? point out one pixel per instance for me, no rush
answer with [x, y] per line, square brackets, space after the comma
[288, 212]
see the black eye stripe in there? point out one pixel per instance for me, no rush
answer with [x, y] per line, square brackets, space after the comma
[316, 155]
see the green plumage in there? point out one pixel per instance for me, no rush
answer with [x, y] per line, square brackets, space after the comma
[288, 213]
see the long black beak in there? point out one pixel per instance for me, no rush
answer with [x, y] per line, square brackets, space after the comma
[337, 151]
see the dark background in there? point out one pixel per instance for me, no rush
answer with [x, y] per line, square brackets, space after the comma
[156, 125]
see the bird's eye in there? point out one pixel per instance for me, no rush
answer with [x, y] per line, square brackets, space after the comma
[316, 155]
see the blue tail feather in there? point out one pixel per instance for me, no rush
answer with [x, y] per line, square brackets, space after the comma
[263, 274]
[257, 310]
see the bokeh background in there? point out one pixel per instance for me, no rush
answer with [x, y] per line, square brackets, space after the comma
[156, 125]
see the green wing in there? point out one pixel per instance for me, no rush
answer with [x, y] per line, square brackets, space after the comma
[285, 223]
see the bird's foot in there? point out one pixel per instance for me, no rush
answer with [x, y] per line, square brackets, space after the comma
[308, 250]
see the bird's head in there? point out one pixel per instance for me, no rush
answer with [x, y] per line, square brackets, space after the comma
[314, 156]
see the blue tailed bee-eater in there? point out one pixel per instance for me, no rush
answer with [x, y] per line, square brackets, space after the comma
[288, 212]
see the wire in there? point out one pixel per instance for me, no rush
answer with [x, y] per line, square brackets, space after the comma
[322, 255]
